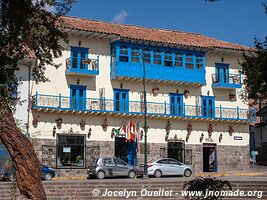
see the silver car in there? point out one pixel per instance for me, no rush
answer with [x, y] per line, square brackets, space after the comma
[168, 166]
[111, 167]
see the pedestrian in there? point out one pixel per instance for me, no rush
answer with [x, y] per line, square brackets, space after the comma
[253, 156]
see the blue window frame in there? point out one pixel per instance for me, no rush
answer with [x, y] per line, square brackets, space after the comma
[222, 72]
[199, 61]
[124, 56]
[77, 97]
[135, 55]
[176, 104]
[147, 56]
[78, 54]
[178, 59]
[208, 108]
[168, 59]
[189, 61]
[121, 100]
[157, 57]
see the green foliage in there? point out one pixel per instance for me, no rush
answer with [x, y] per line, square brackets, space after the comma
[254, 67]
[205, 184]
[27, 28]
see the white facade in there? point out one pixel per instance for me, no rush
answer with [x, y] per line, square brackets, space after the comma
[43, 120]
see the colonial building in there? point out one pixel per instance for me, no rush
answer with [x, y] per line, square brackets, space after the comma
[94, 106]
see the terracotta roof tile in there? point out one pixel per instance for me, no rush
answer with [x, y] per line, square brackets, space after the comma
[148, 34]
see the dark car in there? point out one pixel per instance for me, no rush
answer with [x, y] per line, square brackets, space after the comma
[47, 173]
[8, 171]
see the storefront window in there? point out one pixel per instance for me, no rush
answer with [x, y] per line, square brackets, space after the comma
[70, 151]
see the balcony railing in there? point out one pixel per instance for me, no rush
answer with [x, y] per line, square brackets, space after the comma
[86, 67]
[226, 80]
[137, 107]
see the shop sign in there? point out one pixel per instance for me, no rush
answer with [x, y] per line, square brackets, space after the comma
[238, 138]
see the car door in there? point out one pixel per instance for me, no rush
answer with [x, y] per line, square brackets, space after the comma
[109, 166]
[121, 168]
[164, 167]
[176, 167]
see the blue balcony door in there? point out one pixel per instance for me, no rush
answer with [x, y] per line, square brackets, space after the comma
[79, 54]
[208, 108]
[222, 73]
[176, 104]
[78, 96]
[121, 100]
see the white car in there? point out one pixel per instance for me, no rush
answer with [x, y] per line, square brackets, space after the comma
[167, 167]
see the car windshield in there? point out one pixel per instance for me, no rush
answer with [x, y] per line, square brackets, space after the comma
[163, 161]
[107, 161]
[119, 162]
[174, 162]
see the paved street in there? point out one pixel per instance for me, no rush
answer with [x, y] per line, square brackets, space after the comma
[167, 179]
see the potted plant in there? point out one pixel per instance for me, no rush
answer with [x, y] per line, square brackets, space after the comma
[168, 127]
[186, 93]
[231, 97]
[231, 130]
[86, 61]
[105, 124]
[210, 129]
[189, 128]
[59, 121]
[82, 123]
[155, 91]
[35, 121]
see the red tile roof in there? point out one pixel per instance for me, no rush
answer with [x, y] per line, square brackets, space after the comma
[171, 37]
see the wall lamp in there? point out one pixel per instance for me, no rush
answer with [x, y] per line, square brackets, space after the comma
[54, 131]
[89, 133]
[220, 137]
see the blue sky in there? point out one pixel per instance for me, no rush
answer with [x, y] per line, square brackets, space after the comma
[235, 21]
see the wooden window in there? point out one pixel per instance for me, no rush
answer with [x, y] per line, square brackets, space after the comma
[157, 57]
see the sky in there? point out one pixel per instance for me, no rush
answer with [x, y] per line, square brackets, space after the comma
[237, 21]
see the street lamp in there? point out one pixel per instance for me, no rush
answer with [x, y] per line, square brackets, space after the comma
[145, 118]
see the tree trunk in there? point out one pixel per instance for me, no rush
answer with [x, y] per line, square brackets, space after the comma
[28, 167]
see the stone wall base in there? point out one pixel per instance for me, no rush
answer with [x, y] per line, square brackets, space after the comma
[229, 158]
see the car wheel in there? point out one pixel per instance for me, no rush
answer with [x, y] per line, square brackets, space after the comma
[12, 177]
[100, 175]
[157, 173]
[132, 174]
[187, 173]
[48, 176]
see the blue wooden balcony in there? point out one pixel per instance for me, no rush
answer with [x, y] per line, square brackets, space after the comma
[162, 65]
[110, 107]
[85, 67]
[226, 81]
[160, 74]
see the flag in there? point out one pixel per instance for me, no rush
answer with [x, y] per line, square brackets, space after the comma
[138, 131]
[128, 128]
[132, 130]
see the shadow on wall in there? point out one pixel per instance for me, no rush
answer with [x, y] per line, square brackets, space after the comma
[75, 120]
[163, 89]
[88, 81]
[96, 46]
[223, 95]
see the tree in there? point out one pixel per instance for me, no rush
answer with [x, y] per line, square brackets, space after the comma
[254, 67]
[26, 27]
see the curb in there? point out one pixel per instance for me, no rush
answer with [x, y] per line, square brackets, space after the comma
[197, 174]
[230, 174]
